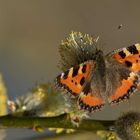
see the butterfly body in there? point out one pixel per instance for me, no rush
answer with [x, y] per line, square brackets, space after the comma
[110, 78]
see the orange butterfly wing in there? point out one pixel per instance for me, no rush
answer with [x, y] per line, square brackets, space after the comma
[77, 81]
[74, 80]
[90, 102]
[126, 89]
[130, 58]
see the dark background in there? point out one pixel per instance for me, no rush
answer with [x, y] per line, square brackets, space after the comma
[31, 31]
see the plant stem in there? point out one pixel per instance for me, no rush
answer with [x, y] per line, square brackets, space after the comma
[62, 121]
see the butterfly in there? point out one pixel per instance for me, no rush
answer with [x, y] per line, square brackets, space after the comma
[110, 78]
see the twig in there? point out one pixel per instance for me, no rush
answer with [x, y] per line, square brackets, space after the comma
[61, 121]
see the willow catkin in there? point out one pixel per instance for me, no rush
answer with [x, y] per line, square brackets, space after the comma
[76, 49]
[128, 126]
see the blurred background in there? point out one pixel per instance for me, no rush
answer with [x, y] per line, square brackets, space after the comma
[31, 31]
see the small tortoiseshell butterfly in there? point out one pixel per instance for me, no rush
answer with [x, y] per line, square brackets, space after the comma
[108, 78]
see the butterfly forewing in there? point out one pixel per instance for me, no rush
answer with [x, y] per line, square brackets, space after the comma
[130, 57]
[74, 79]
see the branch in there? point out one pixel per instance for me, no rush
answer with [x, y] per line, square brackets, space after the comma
[61, 121]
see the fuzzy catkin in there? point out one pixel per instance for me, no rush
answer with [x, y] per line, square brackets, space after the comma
[128, 126]
[76, 49]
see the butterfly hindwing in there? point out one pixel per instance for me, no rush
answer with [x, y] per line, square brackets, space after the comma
[74, 79]
[126, 89]
[90, 102]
